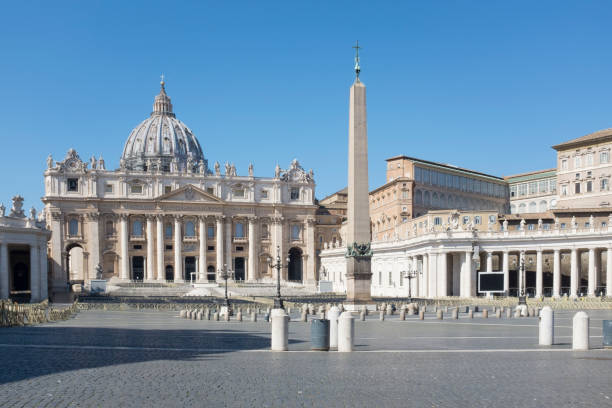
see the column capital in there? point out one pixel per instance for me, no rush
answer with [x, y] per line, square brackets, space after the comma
[92, 216]
[177, 217]
[124, 216]
[219, 218]
[277, 219]
[252, 219]
[310, 221]
[202, 218]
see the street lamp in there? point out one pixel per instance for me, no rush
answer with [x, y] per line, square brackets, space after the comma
[225, 274]
[410, 275]
[278, 301]
[522, 298]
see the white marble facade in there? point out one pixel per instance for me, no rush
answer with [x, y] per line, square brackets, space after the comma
[23, 254]
[165, 216]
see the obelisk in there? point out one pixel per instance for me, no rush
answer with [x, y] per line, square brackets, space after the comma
[359, 253]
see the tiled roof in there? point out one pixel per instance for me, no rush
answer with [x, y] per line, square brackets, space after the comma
[599, 136]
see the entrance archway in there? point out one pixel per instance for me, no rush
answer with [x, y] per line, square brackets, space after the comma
[190, 267]
[74, 263]
[210, 273]
[239, 271]
[169, 273]
[137, 268]
[295, 265]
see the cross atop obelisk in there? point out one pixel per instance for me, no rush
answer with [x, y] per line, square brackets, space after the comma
[359, 254]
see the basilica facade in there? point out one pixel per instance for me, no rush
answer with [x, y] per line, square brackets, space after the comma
[165, 216]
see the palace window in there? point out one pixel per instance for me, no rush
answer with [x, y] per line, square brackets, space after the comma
[210, 190]
[73, 184]
[265, 231]
[401, 282]
[295, 232]
[210, 231]
[108, 188]
[577, 188]
[264, 193]
[604, 185]
[604, 157]
[564, 164]
[137, 228]
[563, 190]
[168, 231]
[295, 193]
[238, 192]
[136, 188]
[239, 230]
[553, 185]
[190, 229]
[522, 189]
[512, 191]
[533, 188]
[530, 227]
[563, 225]
[167, 189]
[491, 219]
[466, 220]
[589, 159]
[577, 162]
[589, 186]
[477, 220]
[438, 221]
[390, 278]
[109, 228]
[73, 228]
[543, 186]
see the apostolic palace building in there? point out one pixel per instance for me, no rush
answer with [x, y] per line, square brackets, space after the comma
[165, 215]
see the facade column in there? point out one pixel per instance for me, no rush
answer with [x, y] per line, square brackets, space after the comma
[4, 272]
[609, 271]
[58, 273]
[161, 273]
[467, 275]
[124, 272]
[415, 267]
[253, 261]
[203, 247]
[489, 261]
[178, 249]
[93, 243]
[34, 274]
[150, 256]
[311, 252]
[228, 243]
[219, 244]
[277, 227]
[425, 282]
[506, 271]
[574, 273]
[539, 273]
[557, 273]
[44, 279]
[433, 287]
[592, 284]
[442, 274]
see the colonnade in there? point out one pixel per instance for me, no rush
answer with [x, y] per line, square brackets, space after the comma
[37, 254]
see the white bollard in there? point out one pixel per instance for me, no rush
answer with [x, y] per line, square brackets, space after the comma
[333, 315]
[280, 330]
[346, 332]
[580, 333]
[546, 334]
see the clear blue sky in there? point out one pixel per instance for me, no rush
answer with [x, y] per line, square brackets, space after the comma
[486, 85]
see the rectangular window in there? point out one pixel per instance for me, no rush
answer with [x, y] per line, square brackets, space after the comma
[463, 183]
[390, 278]
[553, 185]
[577, 176]
[211, 248]
[239, 230]
[491, 219]
[589, 186]
[295, 193]
[564, 164]
[73, 184]
[522, 189]
[533, 188]
[477, 220]
[589, 159]
[401, 282]
[295, 232]
[264, 193]
[563, 190]
[168, 247]
[438, 221]
[562, 225]
[404, 195]
[238, 192]
[136, 189]
[210, 231]
[577, 188]
[108, 188]
[543, 186]
[466, 220]
[604, 184]
[167, 189]
[512, 191]
[577, 162]
[604, 157]
[210, 190]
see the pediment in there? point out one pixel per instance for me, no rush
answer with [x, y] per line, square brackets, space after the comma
[190, 193]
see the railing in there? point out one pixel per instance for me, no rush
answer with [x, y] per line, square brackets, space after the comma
[13, 314]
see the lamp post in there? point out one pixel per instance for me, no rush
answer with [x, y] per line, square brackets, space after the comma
[410, 275]
[278, 301]
[522, 298]
[225, 274]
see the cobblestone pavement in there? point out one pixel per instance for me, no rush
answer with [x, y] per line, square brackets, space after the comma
[155, 359]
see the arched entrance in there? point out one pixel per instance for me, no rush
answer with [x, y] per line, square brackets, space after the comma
[210, 273]
[295, 265]
[239, 272]
[169, 273]
[138, 268]
[190, 267]
[74, 263]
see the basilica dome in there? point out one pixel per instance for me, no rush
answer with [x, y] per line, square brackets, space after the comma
[162, 142]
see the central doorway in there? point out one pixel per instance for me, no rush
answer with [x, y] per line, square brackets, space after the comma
[169, 273]
[239, 268]
[295, 265]
[210, 274]
[190, 267]
[137, 268]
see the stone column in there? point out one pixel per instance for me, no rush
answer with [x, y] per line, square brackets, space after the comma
[58, 273]
[253, 262]
[556, 273]
[4, 273]
[609, 271]
[433, 276]
[202, 260]
[124, 271]
[311, 266]
[34, 274]
[178, 249]
[442, 274]
[228, 242]
[219, 244]
[93, 243]
[489, 261]
[592, 285]
[161, 273]
[277, 230]
[425, 269]
[467, 276]
[44, 279]
[150, 256]
[506, 271]
[539, 273]
[574, 273]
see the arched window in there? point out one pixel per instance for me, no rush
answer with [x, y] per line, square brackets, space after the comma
[426, 198]
[190, 229]
[533, 207]
[522, 208]
[73, 227]
[168, 231]
[137, 228]
[239, 230]
[512, 209]
[543, 206]
[434, 200]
